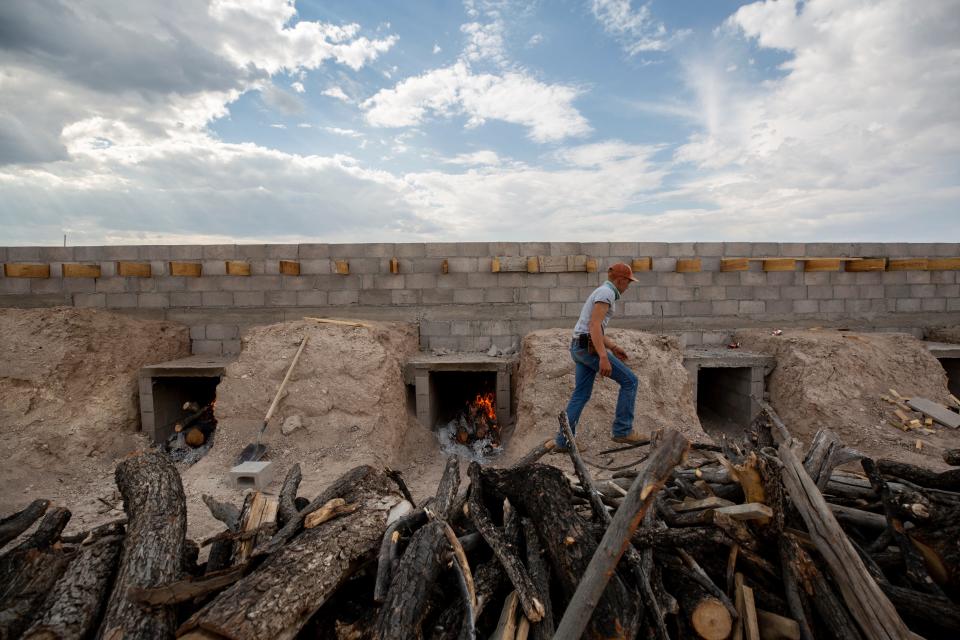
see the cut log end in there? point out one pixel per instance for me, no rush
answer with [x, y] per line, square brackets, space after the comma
[711, 620]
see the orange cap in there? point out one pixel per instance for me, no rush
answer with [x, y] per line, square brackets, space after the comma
[621, 270]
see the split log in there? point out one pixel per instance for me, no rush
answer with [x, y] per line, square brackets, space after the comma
[334, 508]
[706, 615]
[825, 454]
[671, 451]
[536, 453]
[223, 511]
[530, 599]
[75, 603]
[945, 481]
[24, 592]
[259, 520]
[540, 574]
[187, 589]
[287, 498]
[15, 524]
[389, 553]
[935, 612]
[747, 626]
[47, 533]
[797, 599]
[866, 602]
[544, 495]
[397, 478]
[488, 580]
[153, 549]
[776, 627]
[281, 595]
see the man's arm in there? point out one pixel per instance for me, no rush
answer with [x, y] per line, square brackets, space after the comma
[598, 339]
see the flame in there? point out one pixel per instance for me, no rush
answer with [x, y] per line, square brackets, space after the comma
[484, 404]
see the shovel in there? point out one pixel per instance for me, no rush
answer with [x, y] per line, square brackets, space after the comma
[253, 452]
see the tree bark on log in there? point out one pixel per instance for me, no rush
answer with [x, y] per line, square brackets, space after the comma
[945, 480]
[544, 495]
[952, 457]
[281, 595]
[825, 454]
[287, 508]
[703, 612]
[75, 604]
[153, 549]
[22, 595]
[13, 525]
[388, 551]
[540, 574]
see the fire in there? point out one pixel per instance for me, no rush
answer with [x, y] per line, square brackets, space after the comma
[478, 421]
[483, 404]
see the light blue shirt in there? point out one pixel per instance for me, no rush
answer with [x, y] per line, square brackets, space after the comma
[608, 293]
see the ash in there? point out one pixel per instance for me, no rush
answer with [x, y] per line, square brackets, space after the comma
[187, 455]
[481, 450]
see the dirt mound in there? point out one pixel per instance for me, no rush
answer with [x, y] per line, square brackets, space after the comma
[346, 391]
[546, 380]
[943, 334]
[834, 379]
[69, 397]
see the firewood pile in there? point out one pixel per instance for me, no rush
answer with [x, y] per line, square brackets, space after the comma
[746, 540]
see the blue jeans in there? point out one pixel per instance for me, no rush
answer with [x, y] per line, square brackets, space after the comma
[587, 368]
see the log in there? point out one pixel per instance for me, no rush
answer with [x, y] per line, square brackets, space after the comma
[530, 599]
[935, 612]
[24, 592]
[797, 600]
[671, 451]
[47, 532]
[397, 478]
[187, 589]
[747, 626]
[544, 495]
[259, 521]
[825, 454]
[776, 627]
[388, 550]
[74, 605]
[281, 595]
[866, 602]
[536, 453]
[446, 495]
[15, 524]
[831, 611]
[507, 624]
[334, 508]
[945, 481]
[952, 457]
[156, 511]
[747, 511]
[540, 574]
[287, 498]
[687, 537]
[706, 615]
[488, 580]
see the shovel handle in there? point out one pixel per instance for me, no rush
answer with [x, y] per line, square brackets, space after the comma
[286, 378]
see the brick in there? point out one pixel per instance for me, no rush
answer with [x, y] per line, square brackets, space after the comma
[468, 296]
[831, 306]
[908, 305]
[312, 298]
[923, 290]
[820, 292]
[206, 347]
[168, 283]
[681, 249]
[280, 298]
[872, 291]
[217, 299]
[249, 298]
[375, 297]
[565, 294]
[341, 298]
[121, 300]
[438, 296]
[405, 296]
[917, 277]
[153, 300]
[933, 304]
[89, 300]
[679, 294]
[696, 308]
[186, 299]
[806, 306]
[752, 306]
[221, 331]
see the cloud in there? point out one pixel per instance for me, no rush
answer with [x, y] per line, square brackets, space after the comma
[534, 40]
[289, 104]
[298, 87]
[546, 110]
[436, 48]
[337, 93]
[636, 29]
[484, 42]
[350, 133]
[485, 157]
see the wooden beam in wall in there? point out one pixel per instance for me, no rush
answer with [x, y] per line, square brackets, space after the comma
[289, 268]
[821, 264]
[26, 270]
[943, 264]
[867, 264]
[186, 269]
[642, 264]
[688, 265]
[734, 264]
[780, 264]
[342, 267]
[134, 269]
[238, 268]
[394, 265]
[908, 264]
[73, 270]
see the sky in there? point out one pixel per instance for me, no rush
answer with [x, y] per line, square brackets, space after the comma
[249, 121]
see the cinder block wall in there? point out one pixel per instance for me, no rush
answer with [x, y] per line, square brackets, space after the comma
[471, 307]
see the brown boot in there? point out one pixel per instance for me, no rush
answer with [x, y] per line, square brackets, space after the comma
[631, 438]
[581, 447]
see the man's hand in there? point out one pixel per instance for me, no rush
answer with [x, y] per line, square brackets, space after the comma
[605, 367]
[620, 353]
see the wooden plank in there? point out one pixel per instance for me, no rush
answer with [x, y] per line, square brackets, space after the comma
[943, 264]
[822, 264]
[445, 267]
[25, 270]
[238, 268]
[936, 411]
[510, 264]
[776, 627]
[345, 323]
[734, 264]
[74, 270]
[591, 265]
[186, 269]
[642, 264]
[342, 267]
[263, 511]
[533, 264]
[688, 265]
[747, 624]
[289, 268]
[867, 264]
[908, 264]
[747, 511]
[712, 502]
[134, 269]
[780, 264]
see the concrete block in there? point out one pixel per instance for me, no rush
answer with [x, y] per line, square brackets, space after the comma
[467, 296]
[56, 254]
[667, 309]
[252, 475]
[251, 251]
[766, 293]
[421, 280]
[575, 279]
[499, 295]
[783, 278]
[186, 299]
[320, 266]
[482, 280]
[186, 252]
[90, 300]
[872, 291]
[846, 291]
[820, 292]
[409, 249]
[214, 267]
[378, 297]
[221, 331]
[831, 306]
[313, 251]
[340, 298]
[806, 306]
[363, 250]
[870, 277]
[313, 298]
[697, 308]
[953, 304]
[764, 249]
[564, 294]
[943, 277]
[921, 249]
[153, 300]
[121, 300]
[643, 293]
[710, 263]
[542, 280]
[572, 309]
[144, 285]
[712, 293]
[565, 249]
[525, 296]
[167, 283]
[851, 305]
[473, 249]
[918, 277]
[541, 310]
[79, 285]
[282, 251]
[203, 283]
[706, 249]
[933, 304]
[496, 328]
[465, 328]
[726, 279]
[679, 294]
[534, 248]
[908, 305]
[41, 285]
[80, 254]
[923, 290]
[249, 298]
[845, 277]
[198, 332]
[504, 249]
[296, 283]
[793, 249]
[664, 264]
[752, 306]
[385, 281]
[512, 279]
[437, 296]
[596, 249]
[779, 307]
[682, 250]
[435, 327]
[671, 279]
[947, 290]
[897, 291]
[231, 347]
[737, 249]
[893, 277]
[452, 281]
[652, 250]
[816, 278]
[365, 265]
[740, 293]
[701, 279]
[444, 342]
[217, 299]
[405, 296]
[751, 278]
[219, 252]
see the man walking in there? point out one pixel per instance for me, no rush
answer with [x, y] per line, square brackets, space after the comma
[593, 352]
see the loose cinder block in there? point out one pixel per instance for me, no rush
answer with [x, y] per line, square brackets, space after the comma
[134, 269]
[908, 264]
[867, 264]
[73, 270]
[252, 475]
[26, 270]
[734, 264]
[822, 264]
[186, 269]
[237, 268]
[779, 264]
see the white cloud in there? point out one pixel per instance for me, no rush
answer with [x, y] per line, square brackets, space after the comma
[546, 110]
[304, 125]
[298, 87]
[337, 93]
[278, 126]
[350, 133]
[636, 29]
[534, 40]
[436, 48]
[484, 41]
[484, 157]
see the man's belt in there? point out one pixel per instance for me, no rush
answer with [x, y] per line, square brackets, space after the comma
[582, 340]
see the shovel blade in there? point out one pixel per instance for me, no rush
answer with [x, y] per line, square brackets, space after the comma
[252, 453]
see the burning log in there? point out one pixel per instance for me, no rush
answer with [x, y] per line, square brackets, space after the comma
[152, 553]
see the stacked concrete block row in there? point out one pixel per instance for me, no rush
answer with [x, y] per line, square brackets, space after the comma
[472, 308]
